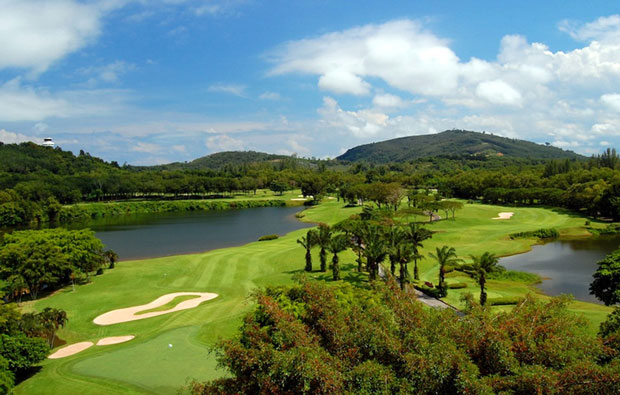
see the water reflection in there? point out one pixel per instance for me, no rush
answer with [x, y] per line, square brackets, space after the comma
[566, 266]
[155, 235]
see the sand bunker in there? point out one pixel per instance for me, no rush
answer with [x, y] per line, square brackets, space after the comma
[131, 313]
[71, 350]
[106, 341]
[504, 215]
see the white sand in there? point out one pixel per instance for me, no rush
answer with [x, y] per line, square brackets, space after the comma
[130, 313]
[71, 350]
[504, 215]
[106, 341]
[296, 199]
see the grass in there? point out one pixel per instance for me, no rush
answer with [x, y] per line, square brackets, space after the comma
[147, 365]
[169, 305]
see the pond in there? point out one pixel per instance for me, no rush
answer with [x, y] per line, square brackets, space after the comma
[566, 266]
[164, 234]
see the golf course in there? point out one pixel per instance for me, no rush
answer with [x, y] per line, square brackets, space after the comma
[171, 348]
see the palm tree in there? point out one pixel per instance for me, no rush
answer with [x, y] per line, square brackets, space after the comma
[416, 234]
[483, 265]
[403, 254]
[446, 256]
[323, 238]
[308, 242]
[395, 236]
[337, 244]
[375, 249]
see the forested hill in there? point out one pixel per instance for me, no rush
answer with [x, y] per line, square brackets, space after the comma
[221, 160]
[452, 143]
[26, 158]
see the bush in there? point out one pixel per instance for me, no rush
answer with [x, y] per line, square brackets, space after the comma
[457, 285]
[300, 215]
[543, 233]
[434, 292]
[504, 301]
[268, 237]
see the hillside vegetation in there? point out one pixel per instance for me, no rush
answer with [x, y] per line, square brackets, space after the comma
[452, 143]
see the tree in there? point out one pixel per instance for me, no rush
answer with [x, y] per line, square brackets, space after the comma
[111, 257]
[445, 256]
[318, 339]
[375, 248]
[483, 265]
[307, 242]
[337, 244]
[52, 319]
[416, 234]
[606, 284]
[323, 238]
[395, 236]
[402, 253]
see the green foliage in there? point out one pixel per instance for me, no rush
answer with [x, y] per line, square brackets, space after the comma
[606, 284]
[544, 233]
[22, 351]
[35, 259]
[451, 142]
[512, 275]
[457, 285]
[505, 301]
[313, 338]
[7, 377]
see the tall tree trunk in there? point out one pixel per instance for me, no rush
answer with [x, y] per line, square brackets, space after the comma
[308, 267]
[336, 267]
[392, 266]
[483, 294]
[323, 256]
[403, 268]
[416, 272]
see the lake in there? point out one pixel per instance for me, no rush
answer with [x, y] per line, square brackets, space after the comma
[155, 235]
[566, 266]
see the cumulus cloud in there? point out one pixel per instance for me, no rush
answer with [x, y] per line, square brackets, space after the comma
[8, 137]
[499, 92]
[223, 142]
[36, 33]
[388, 101]
[612, 100]
[109, 73]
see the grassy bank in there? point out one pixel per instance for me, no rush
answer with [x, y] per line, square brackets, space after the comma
[148, 364]
[88, 211]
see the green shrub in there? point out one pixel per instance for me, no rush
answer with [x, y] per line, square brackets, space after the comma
[504, 301]
[457, 285]
[512, 275]
[268, 237]
[448, 269]
[434, 292]
[543, 233]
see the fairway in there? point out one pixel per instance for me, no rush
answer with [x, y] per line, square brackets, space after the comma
[168, 350]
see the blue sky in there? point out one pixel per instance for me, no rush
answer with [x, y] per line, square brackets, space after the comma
[149, 82]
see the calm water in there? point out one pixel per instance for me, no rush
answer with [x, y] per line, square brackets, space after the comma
[155, 235]
[566, 266]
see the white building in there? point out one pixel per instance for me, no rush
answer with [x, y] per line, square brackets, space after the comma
[48, 142]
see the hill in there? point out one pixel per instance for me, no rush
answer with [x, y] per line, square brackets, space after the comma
[452, 143]
[27, 158]
[220, 160]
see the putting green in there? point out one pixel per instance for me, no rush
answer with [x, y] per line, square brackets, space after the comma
[139, 366]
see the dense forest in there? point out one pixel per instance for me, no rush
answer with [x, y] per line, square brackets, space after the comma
[37, 182]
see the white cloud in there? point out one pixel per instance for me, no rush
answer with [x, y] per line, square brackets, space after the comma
[8, 137]
[41, 127]
[606, 28]
[142, 146]
[223, 142]
[399, 52]
[388, 101]
[109, 73]
[499, 92]
[233, 89]
[270, 96]
[612, 100]
[36, 33]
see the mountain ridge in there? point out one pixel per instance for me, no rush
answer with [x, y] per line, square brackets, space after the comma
[452, 143]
